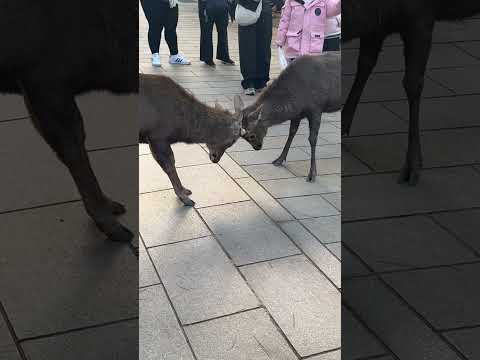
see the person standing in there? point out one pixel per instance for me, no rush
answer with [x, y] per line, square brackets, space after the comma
[303, 24]
[254, 43]
[214, 12]
[333, 34]
[163, 14]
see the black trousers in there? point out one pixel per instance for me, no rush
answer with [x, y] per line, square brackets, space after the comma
[160, 16]
[207, 20]
[255, 51]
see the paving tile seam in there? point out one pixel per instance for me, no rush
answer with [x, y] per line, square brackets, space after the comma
[412, 309]
[167, 295]
[11, 331]
[356, 157]
[320, 353]
[116, 147]
[410, 214]
[455, 236]
[74, 330]
[225, 316]
[429, 130]
[291, 239]
[14, 119]
[403, 271]
[309, 195]
[242, 276]
[370, 331]
[432, 67]
[424, 97]
[430, 77]
[178, 242]
[470, 327]
[374, 357]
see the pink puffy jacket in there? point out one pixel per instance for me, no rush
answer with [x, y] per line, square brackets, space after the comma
[302, 27]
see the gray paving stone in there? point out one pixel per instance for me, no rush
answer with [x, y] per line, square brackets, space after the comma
[420, 243]
[246, 233]
[8, 349]
[325, 229]
[463, 224]
[264, 200]
[336, 249]
[454, 31]
[116, 341]
[282, 188]
[317, 252]
[447, 297]
[457, 79]
[387, 152]
[160, 335]
[147, 275]
[446, 112]
[335, 199]
[268, 172]
[358, 342]
[334, 355]
[466, 341]
[374, 118]
[302, 301]
[80, 281]
[13, 107]
[324, 167]
[323, 151]
[201, 280]
[232, 168]
[164, 219]
[387, 316]
[209, 183]
[247, 336]
[438, 189]
[304, 207]
[388, 86]
[351, 265]
[28, 181]
[352, 165]
[254, 157]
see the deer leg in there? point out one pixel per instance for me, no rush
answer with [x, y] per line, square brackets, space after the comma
[163, 154]
[184, 189]
[314, 124]
[367, 59]
[417, 49]
[59, 121]
[294, 124]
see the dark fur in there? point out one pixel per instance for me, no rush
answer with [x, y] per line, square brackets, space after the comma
[169, 114]
[309, 87]
[372, 21]
[53, 50]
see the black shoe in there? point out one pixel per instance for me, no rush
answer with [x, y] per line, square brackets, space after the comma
[210, 63]
[228, 62]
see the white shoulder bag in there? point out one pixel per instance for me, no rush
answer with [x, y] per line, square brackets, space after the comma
[245, 17]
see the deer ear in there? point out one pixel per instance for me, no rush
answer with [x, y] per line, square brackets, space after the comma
[256, 115]
[238, 103]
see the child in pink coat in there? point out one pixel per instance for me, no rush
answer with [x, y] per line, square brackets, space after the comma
[303, 25]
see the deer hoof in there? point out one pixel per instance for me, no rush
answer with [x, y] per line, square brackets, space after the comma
[278, 162]
[311, 178]
[120, 234]
[409, 175]
[187, 201]
[115, 207]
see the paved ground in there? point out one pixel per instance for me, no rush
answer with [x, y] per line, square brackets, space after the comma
[253, 271]
[411, 256]
[62, 285]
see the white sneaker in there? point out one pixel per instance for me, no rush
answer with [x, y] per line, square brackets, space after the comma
[179, 59]
[156, 60]
[250, 91]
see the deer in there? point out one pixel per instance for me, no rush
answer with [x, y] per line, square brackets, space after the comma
[372, 21]
[168, 114]
[309, 87]
[51, 52]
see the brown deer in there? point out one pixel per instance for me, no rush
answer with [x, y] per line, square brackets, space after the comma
[169, 114]
[308, 87]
